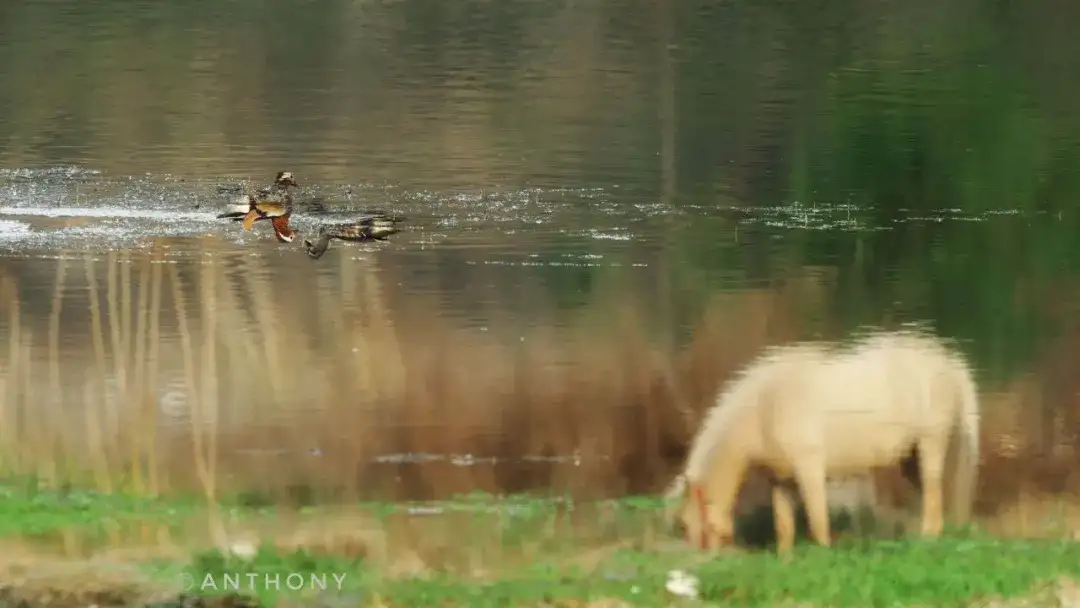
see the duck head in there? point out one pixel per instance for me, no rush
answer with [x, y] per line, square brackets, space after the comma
[285, 179]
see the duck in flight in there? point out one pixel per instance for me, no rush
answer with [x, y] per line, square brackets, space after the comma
[372, 227]
[274, 203]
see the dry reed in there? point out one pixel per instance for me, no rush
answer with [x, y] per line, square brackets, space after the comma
[299, 398]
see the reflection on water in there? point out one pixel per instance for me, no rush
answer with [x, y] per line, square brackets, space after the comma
[375, 90]
[803, 172]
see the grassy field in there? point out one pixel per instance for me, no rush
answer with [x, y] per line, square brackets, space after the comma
[69, 548]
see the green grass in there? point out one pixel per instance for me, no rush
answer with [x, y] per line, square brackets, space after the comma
[27, 511]
[955, 571]
[515, 556]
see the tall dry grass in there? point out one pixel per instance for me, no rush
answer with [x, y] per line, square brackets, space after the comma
[271, 405]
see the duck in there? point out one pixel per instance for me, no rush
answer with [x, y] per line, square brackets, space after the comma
[370, 227]
[274, 203]
[276, 192]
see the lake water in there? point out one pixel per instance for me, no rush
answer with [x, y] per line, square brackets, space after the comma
[554, 160]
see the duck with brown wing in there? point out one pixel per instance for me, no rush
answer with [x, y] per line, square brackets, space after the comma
[274, 203]
[372, 227]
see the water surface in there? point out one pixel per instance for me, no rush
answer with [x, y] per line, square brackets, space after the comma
[553, 161]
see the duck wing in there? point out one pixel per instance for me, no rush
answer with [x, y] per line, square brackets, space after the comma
[238, 207]
[318, 248]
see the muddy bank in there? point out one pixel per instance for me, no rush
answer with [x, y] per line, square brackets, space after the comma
[14, 597]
